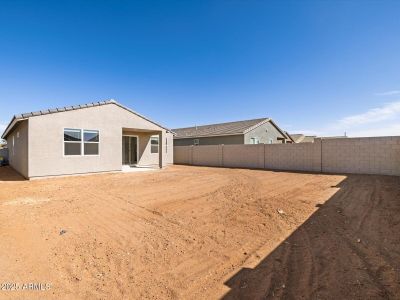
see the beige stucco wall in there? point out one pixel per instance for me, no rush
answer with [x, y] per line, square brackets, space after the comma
[146, 158]
[375, 155]
[46, 157]
[264, 133]
[18, 153]
[169, 156]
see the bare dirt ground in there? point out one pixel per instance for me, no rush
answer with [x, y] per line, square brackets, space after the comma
[201, 233]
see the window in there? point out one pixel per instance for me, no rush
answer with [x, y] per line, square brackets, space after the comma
[13, 146]
[154, 143]
[254, 140]
[166, 145]
[72, 142]
[270, 141]
[91, 142]
[196, 142]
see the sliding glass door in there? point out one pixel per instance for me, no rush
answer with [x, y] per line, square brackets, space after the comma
[129, 150]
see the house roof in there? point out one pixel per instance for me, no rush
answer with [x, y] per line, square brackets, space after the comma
[301, 138]
[298, 138]
[221, 129]
[24, 116]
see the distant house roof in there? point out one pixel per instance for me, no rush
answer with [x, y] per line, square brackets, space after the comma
[301, 138]
[334, 137]
[297, 138]
[24, 116]
[221, 129]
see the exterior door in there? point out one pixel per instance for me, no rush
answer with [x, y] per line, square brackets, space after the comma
[129, 150]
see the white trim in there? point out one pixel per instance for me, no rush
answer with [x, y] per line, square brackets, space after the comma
[254, 140]
[63, 132]
[82, 142]
[257, 125]
[158, 145]
[137, 148]
[11, 126]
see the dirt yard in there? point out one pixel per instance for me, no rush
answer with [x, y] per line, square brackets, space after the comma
[201, 233]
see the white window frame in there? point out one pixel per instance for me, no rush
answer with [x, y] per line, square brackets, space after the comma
[151, 145]
[82, 142]
[196, 142]
[255, 140]
[137, 145]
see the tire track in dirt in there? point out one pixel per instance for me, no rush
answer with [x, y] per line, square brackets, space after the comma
[324, 258]
[203, 233]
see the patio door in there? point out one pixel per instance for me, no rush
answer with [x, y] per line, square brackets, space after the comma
[129, 150]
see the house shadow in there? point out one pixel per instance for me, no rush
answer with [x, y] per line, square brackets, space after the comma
[348, 249]
[9, 174]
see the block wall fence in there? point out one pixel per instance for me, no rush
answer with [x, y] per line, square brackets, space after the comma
[371, 155]
[4, 153]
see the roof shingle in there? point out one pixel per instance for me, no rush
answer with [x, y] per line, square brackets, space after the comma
[230, 128]
[23, 116]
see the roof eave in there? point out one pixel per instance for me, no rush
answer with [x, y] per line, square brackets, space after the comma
[280, 130]
[139, 115]
[256, 125]
[208, 135]
[15, 120]
[11, 125]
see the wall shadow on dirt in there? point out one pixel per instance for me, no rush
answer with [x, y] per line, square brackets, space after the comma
[348, 249]
[9, 174]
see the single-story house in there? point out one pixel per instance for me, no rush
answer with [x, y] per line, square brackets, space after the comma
[301, 138]
[97, 137]
[254, 131]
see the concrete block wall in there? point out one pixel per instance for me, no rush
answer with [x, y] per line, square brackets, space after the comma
[243, 156]
[4, 153]
[210, 155]
[294, 157]
[375, 155]
[183, 155]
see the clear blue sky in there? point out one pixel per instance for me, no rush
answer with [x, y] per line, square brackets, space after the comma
[313, 66]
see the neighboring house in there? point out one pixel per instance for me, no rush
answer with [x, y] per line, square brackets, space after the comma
[301, 138]
[254, 131]
[96, 137]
